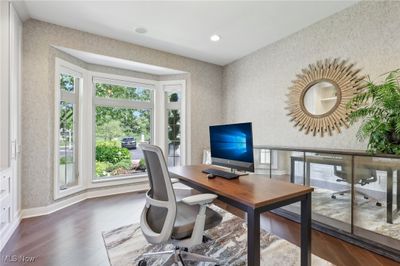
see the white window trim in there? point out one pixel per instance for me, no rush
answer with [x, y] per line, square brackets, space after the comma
[62, 66]
[269, 157]
[97, 77]
[182, 108]
[273, 164]
[87, 104]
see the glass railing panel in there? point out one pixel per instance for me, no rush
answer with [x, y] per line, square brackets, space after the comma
[288, 166]
[297, 168]
[262, 161]
[280, 165]
[330, 175]
[377, 199]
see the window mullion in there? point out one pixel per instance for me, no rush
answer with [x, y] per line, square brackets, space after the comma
[68, 97]
[68, 84]
[122, 103]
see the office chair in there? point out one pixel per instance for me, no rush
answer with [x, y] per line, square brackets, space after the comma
[164, 220]
[362, 178]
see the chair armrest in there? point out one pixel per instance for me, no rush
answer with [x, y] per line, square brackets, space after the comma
[200, 199]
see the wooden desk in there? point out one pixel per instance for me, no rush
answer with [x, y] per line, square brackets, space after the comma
[253, 194]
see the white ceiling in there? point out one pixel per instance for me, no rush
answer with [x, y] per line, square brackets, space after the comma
[119, 63]
[184, 28]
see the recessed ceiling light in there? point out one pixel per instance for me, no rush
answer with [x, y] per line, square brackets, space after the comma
[215, 38]
[141, 30]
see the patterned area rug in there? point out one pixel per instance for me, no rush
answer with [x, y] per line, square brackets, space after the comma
[229, 245]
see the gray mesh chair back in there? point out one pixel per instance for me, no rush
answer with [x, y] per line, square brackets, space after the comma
[163, 219]
[159, 213]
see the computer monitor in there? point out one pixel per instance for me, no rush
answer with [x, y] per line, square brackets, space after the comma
[232, 146]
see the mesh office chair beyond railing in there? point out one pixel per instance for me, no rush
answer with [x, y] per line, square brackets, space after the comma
[364, 177]
[164, 220]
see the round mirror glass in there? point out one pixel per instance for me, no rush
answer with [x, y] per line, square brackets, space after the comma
[320, 98]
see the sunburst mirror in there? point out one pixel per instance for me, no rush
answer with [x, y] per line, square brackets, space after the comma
[317, 99]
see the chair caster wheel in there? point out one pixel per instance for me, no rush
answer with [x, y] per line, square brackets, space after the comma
[186, 249]
[142, 263]
[365, 197]
[342, 194]
[333, 197]
[205, 239]
[379, 204]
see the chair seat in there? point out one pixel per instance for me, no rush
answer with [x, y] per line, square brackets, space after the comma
[186, 217]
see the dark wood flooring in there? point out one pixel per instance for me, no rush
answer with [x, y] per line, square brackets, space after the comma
[72, 236]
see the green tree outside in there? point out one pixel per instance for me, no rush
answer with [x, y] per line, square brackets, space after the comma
[110, 130]
[134, 122]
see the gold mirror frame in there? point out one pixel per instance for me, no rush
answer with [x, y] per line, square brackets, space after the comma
[347, 84]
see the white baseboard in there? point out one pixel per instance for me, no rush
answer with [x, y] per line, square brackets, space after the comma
[273, 172]
[280, 172]
[7, 233]
[61, 204]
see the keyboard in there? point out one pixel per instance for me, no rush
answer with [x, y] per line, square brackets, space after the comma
[220, 173]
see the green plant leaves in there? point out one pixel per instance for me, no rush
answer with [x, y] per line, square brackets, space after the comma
[108, 152]
[378, 106]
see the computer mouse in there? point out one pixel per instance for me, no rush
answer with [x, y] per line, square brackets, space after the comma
[211, 176]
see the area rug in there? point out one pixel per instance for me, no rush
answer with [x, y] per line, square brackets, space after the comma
[125, 246]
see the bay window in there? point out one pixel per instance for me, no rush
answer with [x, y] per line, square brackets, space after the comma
[100, 121]
[69, 82]
[123, 120]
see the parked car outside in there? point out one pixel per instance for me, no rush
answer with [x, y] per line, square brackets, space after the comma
[129, 143]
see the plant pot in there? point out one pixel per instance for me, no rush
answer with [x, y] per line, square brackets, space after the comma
[173, 149]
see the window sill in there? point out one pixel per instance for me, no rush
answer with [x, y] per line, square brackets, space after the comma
[67, 192]
[139, 178]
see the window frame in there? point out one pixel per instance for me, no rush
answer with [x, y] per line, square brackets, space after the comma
[269, 153]
[113, 79]
[181, 106]
[87, 126]
[273, 159]
[64, 67]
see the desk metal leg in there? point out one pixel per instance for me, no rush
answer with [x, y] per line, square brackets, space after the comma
[306, 231]
[292, 169]
[389, 197]
[253, 238]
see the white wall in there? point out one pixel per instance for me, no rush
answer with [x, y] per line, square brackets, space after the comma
[255, 86]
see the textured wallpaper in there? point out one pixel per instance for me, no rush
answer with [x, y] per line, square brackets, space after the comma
[204, 90]
[255, 86]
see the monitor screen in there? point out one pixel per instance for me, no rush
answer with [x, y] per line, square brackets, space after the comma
[232, 146]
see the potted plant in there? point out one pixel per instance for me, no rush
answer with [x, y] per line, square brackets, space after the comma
[378, 108]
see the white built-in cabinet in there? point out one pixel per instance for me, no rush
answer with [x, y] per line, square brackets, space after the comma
[10, 137]
[5, 200]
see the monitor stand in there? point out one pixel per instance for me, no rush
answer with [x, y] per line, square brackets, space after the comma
[238, 172]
